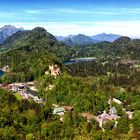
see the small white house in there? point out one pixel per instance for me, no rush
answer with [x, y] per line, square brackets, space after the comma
[113, 111]
[59, 111]
[129, 114]
[117, 101]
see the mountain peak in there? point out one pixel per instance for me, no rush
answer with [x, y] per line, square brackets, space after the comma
[81, 35]
[106, 37]
[95, 38]
[37, 34]
[123, 39]
[41, 32]
[7, 31]
[39, 29]
[10, 27]
[103, 34]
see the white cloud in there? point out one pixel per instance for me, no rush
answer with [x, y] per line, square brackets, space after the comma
[130, 10]
[96, 11]
[32, 11]
[68, 11]
[39, 11]
[127, 28]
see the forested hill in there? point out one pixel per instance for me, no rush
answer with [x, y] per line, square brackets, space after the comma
[123, 48]
[29, 37]
[28, 53]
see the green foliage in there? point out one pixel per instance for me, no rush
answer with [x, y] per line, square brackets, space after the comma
[30, 136]
[29, 54]
[18, 96]
[73, 92]
[119, 109]
[123, 125]
[136, 120]
[85, 86]
[108, 125]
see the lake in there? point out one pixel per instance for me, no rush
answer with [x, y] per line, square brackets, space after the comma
[78, 60]
[1, 73]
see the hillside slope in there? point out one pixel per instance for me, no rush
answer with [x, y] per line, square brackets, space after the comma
[28, 53]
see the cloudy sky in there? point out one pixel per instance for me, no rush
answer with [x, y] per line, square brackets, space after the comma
[64, 17]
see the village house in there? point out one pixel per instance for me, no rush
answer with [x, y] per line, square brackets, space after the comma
[16, 87]
[68, 108]
[32, 86]
[104, 117]
[101, 119]
[6, 68]
[59, 111]
[0, 85]
[26, 90]
[30, 83]
[55, 105]
[55, 70]
[47, 73]
[5, 86]
[13, 88]
[24, 96]
[117, 101]
[107, 116]
[114, 100]
[37, 99]
[129, 114]
[50, 87]
[113, 111]
[88, 116]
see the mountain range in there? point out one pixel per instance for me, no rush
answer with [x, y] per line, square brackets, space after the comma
[82, 39]
[70, 40]
[7, 31]
[27, 50]
[106, 37]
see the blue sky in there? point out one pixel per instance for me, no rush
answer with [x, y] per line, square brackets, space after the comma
[64, 17]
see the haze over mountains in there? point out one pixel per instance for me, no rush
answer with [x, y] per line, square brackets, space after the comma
[38, 42]
[82, 39]
[97, 38]
[70, 40]
[106, 37]
[40, 39]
